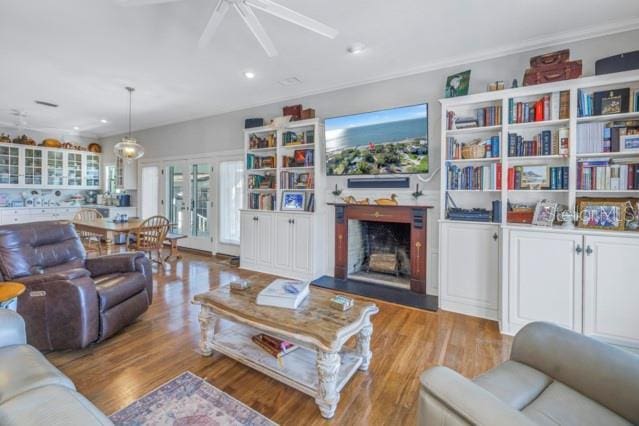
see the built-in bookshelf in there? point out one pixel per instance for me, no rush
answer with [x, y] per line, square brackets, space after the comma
[556, 141]
[282, 160]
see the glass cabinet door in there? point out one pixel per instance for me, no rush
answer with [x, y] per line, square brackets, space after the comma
[74, 168]
[9, 165]
[33, 167]
[55, 168]
[92, 176]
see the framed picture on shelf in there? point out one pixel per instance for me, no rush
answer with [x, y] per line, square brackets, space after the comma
[458, 84]
[293, 200]
[534, 177]
[545, 212]
[629, 143]
[611, 101]
[302, 180]
[602, 214]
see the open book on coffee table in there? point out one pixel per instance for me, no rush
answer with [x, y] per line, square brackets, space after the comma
[283, 293]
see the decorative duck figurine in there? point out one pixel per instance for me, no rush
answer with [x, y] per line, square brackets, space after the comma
[352, 200]
[392, 201]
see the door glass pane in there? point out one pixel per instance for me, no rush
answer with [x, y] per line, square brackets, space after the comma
[92, 177]
[200, 182]
[176, 208]
[74, 167]
[150, 191]
[55, 168]
[231, 181]
[33, 166]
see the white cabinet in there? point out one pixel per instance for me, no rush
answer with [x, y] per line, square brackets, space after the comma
[277, 243]
[9, 165]
[92, 170]
[126, 175]
[611, 293]
[74, 164]
[469, 273]
[55, 168]
[33, 167]
[545, 275]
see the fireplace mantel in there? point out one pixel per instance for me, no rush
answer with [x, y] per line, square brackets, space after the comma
[414, 215]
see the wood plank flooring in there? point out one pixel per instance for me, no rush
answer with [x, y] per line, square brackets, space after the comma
[162, 343]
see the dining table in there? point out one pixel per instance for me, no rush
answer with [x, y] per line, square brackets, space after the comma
[108, 228]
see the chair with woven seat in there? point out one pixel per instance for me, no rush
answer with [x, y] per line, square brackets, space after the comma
[149, 237]
[89, 238]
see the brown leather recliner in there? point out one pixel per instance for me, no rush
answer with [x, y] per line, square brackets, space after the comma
[71, 301]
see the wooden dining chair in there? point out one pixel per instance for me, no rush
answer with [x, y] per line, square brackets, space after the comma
[89, 238]
[149, 237]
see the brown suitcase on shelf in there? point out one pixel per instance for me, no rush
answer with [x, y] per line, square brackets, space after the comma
[551, 67]
[295, 111]
[308, 114]
[550, 59]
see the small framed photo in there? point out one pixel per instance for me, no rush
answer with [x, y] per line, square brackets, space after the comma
[545, 212]
[629, 143]
[602, 214]
[534, 177]
[293, 200]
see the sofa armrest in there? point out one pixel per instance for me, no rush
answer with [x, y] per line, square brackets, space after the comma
[12, 331]
[113, 264]
[39, 279]
[447, 397]
[603, 373]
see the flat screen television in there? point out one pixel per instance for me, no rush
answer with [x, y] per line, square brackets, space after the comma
[391, 141]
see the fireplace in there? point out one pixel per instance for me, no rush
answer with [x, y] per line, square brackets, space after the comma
[381, 244]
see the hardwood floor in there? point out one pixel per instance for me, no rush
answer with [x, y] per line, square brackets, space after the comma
[162, 343]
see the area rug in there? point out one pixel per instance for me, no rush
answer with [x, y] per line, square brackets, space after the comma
[188, 400]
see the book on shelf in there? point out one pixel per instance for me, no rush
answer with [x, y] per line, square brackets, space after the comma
[608, 175]
[490, 147]
[300, 158]
[296, 180]
[474, 178]
[483, 117]
[254, 162]
[310, 204]
[259, 201]
[283, 293]
[274, 346]
[538, 177]
[605, 102]
[601, 137]
[258, 142]
[290, 138]
[265, 181]
[547, 142]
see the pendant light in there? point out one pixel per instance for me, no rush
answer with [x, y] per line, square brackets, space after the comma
[128, 148]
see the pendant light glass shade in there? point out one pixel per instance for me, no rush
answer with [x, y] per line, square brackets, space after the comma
[128, 148]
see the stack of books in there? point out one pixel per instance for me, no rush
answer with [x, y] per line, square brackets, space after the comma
[608, 175]
[257, 201]
[274, 346]
[474, 178]
[284, 293]
[604, 137]
[300, 158]
[292, 138]
[256, 142]
[254, 162]
[546, 142]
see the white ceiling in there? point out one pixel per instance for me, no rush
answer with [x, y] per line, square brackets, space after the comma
[81, 53]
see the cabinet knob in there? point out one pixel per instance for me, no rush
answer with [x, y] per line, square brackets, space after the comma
[578, 249]
[495, 237]
[291, 221]
[588, 250]
[255, 218]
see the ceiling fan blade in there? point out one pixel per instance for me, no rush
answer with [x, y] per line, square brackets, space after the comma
[142, 2]
[214, 22]
[256, 28]
[296, 18]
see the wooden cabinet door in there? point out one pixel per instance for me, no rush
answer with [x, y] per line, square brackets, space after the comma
[545, 278]
[470, 269]
[264, 236]
[248, 243]
[283, 256]
[301, 246]
[611, 293]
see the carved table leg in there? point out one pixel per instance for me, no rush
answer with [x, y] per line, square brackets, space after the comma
[208, 326]
[327, 396]
[364, 345]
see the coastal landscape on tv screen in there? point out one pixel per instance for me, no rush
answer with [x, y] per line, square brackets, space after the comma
[392, 141]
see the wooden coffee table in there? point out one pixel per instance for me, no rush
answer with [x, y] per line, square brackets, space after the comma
[321, 367]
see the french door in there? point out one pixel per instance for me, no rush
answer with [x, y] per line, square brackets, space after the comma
[188, 201]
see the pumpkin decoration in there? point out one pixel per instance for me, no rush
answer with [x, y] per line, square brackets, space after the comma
[4, 138]
[51, 143]
[95, 147]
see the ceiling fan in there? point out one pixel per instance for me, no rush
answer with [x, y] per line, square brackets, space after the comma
[245, 9]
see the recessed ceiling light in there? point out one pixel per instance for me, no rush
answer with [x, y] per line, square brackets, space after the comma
[249, 74]
[356, 48]
[104, 121]
[76, 128]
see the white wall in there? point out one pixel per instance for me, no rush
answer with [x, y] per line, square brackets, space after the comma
[224, 132]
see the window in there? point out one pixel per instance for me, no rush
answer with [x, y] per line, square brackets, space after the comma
[231, 183]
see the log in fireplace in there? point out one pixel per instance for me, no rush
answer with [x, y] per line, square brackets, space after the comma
[389, 244]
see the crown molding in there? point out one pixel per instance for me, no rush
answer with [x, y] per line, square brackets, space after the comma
[605, 29]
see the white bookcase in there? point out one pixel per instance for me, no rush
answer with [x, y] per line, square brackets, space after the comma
[519, 287]
[275, 240]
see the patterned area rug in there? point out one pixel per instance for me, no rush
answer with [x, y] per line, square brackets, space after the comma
[188, 400]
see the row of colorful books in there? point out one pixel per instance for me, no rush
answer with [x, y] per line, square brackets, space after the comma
[294, 180]
[264, 181]
[300, 158]
[294, 138]
[268, 141]
[474, 178]
[261, 201]
[259, 162]
[488, 116]
[605, 102]
[538, 177]
[604, 137]
[490, 147]
[604, 175]
[547, 142]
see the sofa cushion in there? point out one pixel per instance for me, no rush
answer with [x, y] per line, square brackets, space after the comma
[113, 289]
[51, 405]
[560, 405]
[23, 368]
[514, 383]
